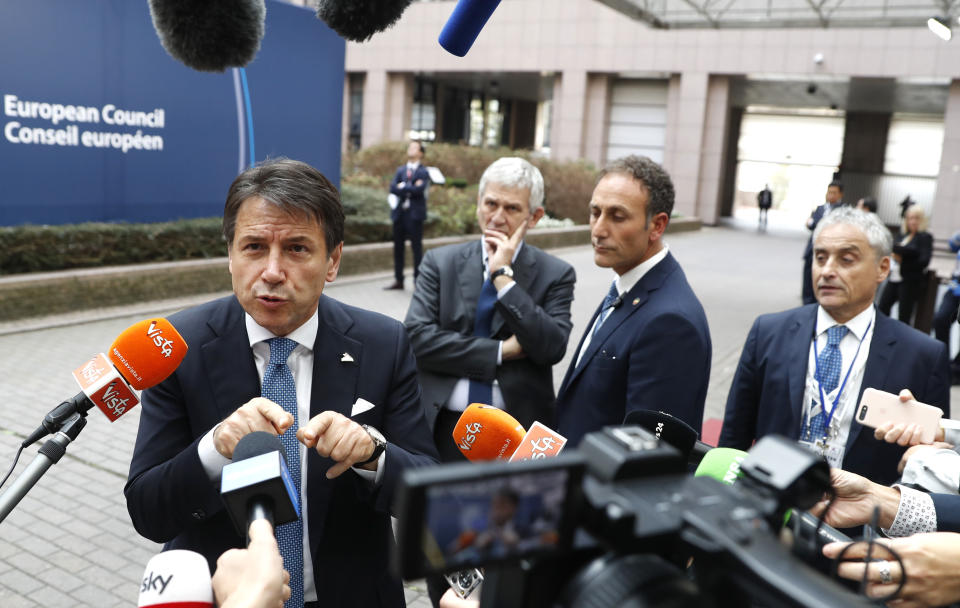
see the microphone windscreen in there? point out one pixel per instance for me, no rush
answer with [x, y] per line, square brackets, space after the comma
[464, 25]
[147, 352]
[666, 427]
[176, 578]
[484, 432]
[359, 20]
[210, 35]
[722, 464]
[257, 443]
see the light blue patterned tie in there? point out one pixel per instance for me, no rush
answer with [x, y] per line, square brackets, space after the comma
[606, 308]
[829, 363]
[278, 386]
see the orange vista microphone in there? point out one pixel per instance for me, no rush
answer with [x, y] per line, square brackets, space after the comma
[484, 432]
[143, 355]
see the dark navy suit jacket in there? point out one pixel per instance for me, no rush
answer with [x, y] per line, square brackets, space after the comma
[415, 194]
[652, 353]
[171, 499]
[767, 390]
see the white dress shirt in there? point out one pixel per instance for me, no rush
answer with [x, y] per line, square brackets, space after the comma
[460, 396]
[300, 363]
[859, 334]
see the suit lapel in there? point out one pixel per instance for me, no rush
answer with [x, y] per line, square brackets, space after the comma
[335, 375]
[228, 360]
[470, 274]
[632, 301]
[800, 335]
[875, 373]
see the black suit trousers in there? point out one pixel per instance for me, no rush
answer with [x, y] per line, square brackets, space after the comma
[405, 227]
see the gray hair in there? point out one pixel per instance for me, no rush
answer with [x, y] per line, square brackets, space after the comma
[877, 234]
[515, 172]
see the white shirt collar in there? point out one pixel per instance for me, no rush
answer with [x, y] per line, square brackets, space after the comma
[412, 166]
[305, 335]
[627, 280]
[857, 325]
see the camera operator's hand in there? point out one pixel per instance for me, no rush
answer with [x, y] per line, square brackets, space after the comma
[923, 447]
[451, 600]
[855, 500]
[253, 577]
[930, 560]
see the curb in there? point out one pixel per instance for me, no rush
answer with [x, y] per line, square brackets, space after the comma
[73, 291]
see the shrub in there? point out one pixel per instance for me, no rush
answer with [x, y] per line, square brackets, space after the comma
[567, 185]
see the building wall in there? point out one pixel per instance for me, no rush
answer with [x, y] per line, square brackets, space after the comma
[585, 44]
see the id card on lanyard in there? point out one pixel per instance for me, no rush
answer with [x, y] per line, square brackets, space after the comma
[823, 445]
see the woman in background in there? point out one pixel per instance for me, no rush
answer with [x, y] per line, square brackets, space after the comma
[911, 253]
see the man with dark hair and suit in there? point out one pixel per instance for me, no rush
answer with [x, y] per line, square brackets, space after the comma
[409, 185]
[834, 200]
[648, 344]
[802, 371]
[338, 385]
[490, 317]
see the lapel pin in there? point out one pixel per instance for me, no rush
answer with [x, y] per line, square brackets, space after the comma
[636, 301]
[346, 358]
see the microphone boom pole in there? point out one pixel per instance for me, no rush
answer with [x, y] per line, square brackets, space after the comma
[49, 454]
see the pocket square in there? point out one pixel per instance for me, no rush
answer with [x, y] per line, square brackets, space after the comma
[361, 406]
[346, 358]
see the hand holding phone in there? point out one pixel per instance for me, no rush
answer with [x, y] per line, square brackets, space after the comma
[878, 408]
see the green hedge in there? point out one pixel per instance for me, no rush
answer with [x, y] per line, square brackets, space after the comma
[42, 248]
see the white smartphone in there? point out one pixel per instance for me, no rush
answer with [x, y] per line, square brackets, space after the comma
[878, 407]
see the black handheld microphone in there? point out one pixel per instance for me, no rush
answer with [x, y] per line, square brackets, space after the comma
[257, 484]
[212, 35]
[359, 20]
[671, 430]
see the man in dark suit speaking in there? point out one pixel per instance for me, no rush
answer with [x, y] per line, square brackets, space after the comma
[489, 318]
[337, 383]
[802, 371]
[648, 344]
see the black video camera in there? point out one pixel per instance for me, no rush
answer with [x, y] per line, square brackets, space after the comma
[619, 523]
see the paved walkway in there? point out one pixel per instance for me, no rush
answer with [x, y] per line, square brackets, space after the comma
[70, 541]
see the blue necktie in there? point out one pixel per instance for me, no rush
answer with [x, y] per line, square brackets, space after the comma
[829, 363]
[608, 305]
[482, 392]
[278, 386]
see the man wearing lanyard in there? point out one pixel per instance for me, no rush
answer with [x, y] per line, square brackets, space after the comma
[802, 371]
[409, 185]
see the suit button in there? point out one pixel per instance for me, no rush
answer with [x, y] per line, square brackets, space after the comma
[199, 514]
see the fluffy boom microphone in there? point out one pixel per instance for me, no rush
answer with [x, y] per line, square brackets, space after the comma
[484, 432]
[143, 355]
[359, 20]
[210, 35]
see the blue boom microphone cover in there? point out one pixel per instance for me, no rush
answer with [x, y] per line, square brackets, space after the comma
[465, 23]
[259, 472]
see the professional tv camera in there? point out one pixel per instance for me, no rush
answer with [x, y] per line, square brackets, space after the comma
[619, 523]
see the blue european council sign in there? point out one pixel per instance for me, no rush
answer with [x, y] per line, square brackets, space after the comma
[100, 124]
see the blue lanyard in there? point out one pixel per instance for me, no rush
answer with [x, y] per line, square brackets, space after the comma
[823, 398]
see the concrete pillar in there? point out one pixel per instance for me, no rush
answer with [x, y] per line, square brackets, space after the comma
[374, 108]
[686, 126]
[399, 105]
[569, 100]
[713, 150]
[596, 118]
[946, 210]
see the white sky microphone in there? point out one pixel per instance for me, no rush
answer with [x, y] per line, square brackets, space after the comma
[176, 579]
